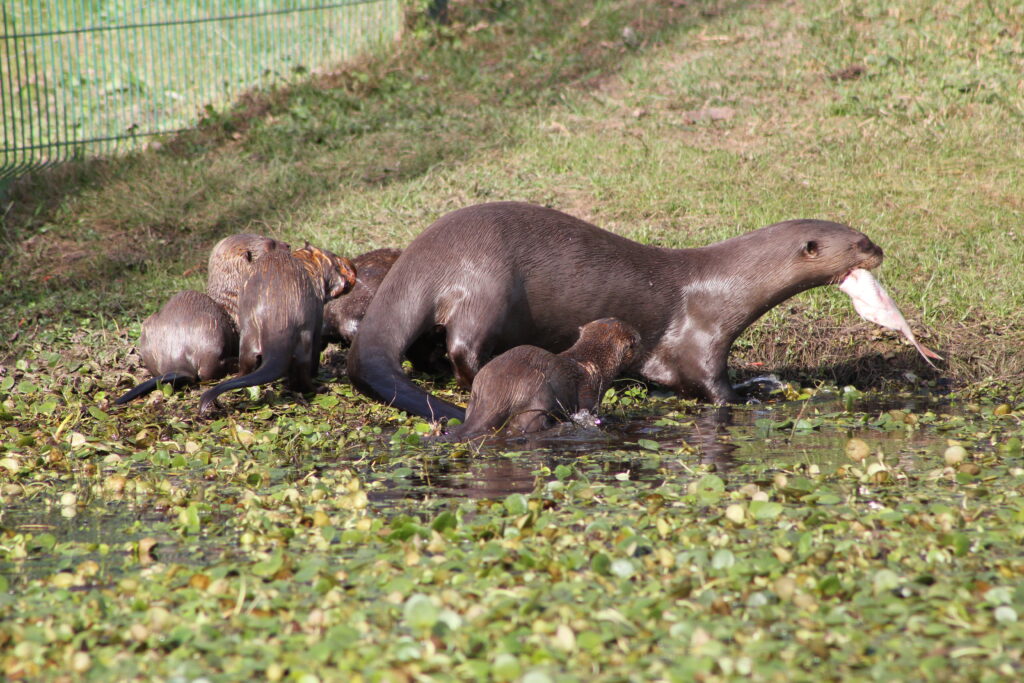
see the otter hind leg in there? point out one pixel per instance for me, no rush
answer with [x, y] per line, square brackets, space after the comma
[470, 340]
[301, 369]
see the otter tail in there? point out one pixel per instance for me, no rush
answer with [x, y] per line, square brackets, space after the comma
[272, 367]
[375, 356]
[175, 379]
[380, 376]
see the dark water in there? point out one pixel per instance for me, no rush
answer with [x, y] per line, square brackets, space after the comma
[676, 440]
[719, 439]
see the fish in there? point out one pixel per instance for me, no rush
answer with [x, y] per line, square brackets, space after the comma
[875, 305]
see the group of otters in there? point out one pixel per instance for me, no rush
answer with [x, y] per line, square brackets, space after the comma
[535, 311]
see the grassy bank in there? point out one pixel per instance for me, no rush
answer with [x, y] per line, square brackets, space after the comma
[705, 121]
[295, 538]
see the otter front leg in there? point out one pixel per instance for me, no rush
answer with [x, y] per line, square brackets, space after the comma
[703, 376]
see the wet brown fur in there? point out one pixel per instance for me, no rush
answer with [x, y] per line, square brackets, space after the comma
[503, 274]
[280, 310]
[190, 339]
[343, 315]
[231, 264]
[527, 388]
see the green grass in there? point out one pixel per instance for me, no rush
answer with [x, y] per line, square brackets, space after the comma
[921, 151]
[903, 120]
[91, 72]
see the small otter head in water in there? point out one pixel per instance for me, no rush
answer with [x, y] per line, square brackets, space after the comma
[608, 343]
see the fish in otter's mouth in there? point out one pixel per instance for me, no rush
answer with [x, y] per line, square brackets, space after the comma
[875, 305]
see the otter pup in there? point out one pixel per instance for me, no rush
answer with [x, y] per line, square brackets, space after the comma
[230, 265]
[526, 388]
[280, 311]
[498, 275]
[190, 339]
[343, 315]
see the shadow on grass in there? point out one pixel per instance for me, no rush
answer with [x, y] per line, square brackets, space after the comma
[870, 372]
[446, 93]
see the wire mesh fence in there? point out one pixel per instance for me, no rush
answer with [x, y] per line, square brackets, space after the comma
[87, 77]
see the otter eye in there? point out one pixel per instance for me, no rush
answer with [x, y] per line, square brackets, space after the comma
[811, 248]
[248, 255]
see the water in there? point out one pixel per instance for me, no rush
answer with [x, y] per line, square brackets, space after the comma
[717, 438]
[651, 443]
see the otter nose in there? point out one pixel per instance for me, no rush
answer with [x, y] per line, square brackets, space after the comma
[868, 247]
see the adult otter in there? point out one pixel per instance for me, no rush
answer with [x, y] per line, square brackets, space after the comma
[190, 339]
[503, 274]
[230, 265]
[524, 389]
[280, 310]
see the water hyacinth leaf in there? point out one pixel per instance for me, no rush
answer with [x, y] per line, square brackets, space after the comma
[98, 414]
[648, 444]
[885, 580]
[709, 489]
[723, 559]
[506, 667]
[1005, 614]
[516, 504]
[830, 585]
[44, 541]
[190, 519]
[407, 650]
[622, 568]
[420, 613]
[444, 521]
[271, 565]
[960, 543]
[326, 400]
[764, 509]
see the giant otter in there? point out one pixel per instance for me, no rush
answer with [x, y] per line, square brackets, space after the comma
[526, 388]
[230, 265]
[190, 339]
[280, 311]
[503, 274]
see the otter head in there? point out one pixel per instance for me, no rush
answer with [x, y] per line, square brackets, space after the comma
[820, 252]
[258, 246]
[610, 343]
[336, 272]
[231, 264]
[343, 276]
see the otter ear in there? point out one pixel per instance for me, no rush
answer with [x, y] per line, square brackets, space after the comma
[810, 248]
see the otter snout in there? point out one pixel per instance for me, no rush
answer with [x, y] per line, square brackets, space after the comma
[872, 253]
